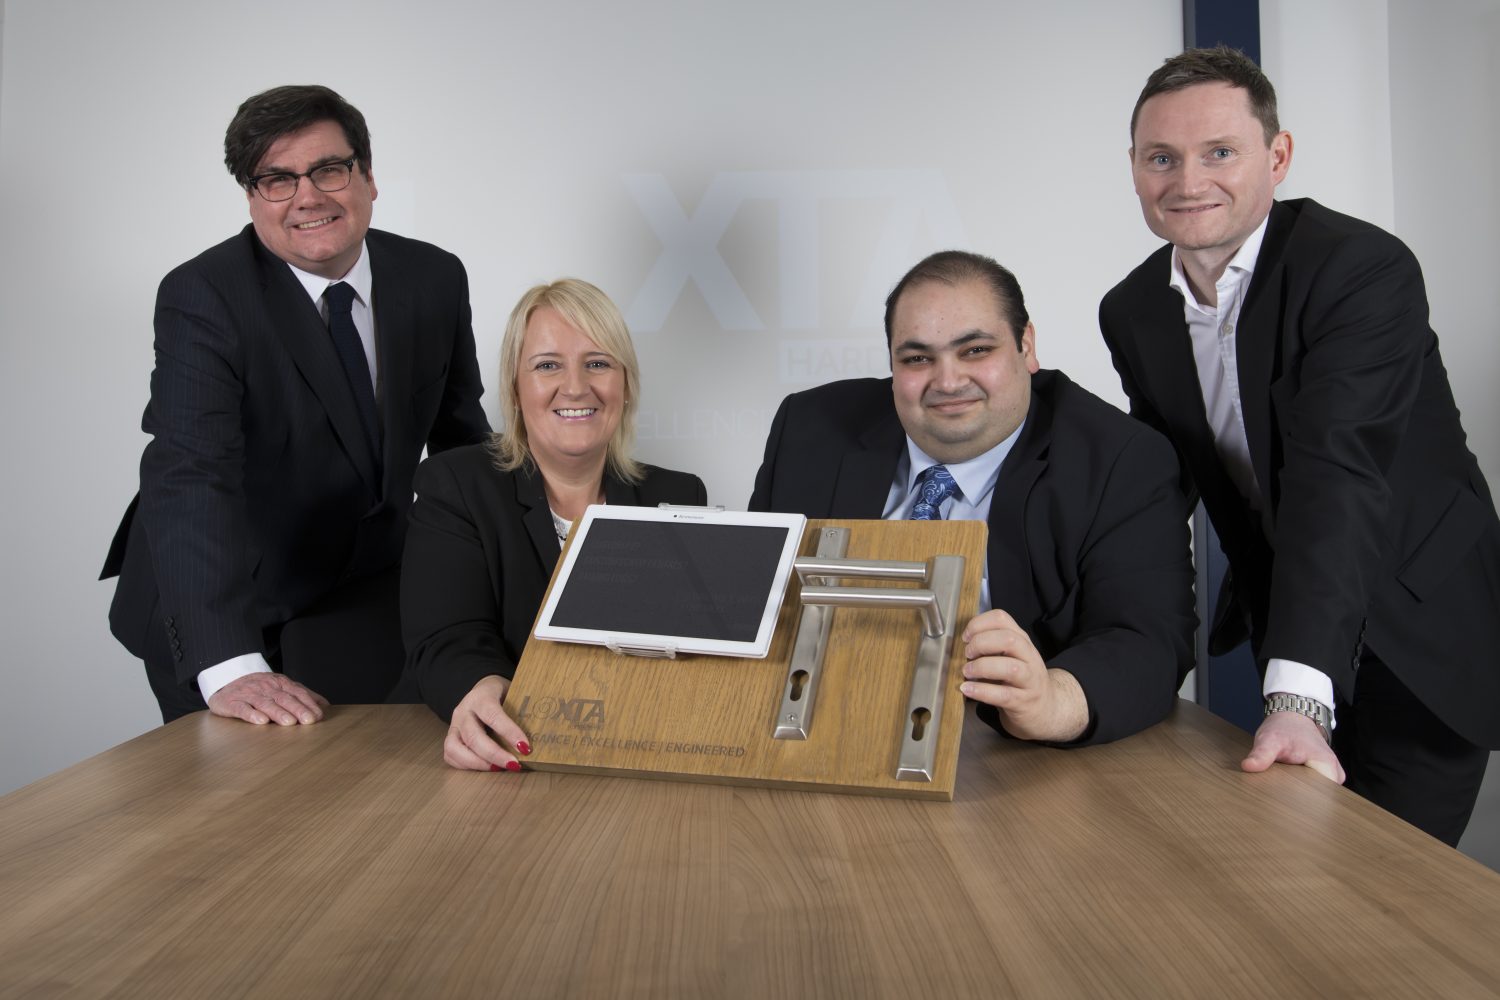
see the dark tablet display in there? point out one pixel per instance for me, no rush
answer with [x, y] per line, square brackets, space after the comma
[690, 580]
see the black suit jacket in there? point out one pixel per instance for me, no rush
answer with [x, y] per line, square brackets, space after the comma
[1088, 542]
[1384, 531]
[259, 494]
[480, 552]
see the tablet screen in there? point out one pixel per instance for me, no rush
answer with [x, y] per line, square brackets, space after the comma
[690, 579]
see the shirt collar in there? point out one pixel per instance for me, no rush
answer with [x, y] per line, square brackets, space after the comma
[976, 477]
[359, 278]
[1238, 271]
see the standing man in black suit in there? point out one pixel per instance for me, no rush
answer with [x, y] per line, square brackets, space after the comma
[1087, 606]
[1285, 350]
[301, 366]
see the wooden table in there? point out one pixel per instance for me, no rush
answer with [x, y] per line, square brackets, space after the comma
[211, 858]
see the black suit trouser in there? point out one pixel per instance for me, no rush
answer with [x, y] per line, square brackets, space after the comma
[1406, 760]
[347, 648]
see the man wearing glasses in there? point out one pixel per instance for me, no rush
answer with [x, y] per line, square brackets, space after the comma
[301, 367]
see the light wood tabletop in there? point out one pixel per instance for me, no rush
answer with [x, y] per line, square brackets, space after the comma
[210, 858]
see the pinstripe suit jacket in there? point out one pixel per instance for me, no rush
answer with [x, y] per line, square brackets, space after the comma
[258, 492]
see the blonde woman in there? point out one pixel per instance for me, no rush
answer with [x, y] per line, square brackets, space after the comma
[489, 520]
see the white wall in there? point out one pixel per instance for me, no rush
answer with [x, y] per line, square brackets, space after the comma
[1446, 142]
[797, 156]
[1327, 60]
[1393, 105]
[746, 180]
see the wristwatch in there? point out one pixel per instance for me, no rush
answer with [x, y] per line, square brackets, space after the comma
[1310, 707]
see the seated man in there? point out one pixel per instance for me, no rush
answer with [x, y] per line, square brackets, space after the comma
[1086, 622]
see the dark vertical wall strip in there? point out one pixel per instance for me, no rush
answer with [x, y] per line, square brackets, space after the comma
[1229, 685]
[1236, 23]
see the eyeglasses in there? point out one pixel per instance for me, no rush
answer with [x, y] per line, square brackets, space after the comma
[325, 177]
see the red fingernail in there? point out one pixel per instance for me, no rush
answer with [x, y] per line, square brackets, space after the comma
[512, 765]
[494, 767]
[524, 747]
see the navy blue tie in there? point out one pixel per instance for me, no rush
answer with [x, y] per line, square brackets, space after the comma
[351, 352]
[935, 485]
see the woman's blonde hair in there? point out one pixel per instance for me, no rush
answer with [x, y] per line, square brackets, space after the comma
[595, 316]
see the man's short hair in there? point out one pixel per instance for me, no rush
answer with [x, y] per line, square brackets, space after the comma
[954, 267]
[268, 116]
[1220, 64]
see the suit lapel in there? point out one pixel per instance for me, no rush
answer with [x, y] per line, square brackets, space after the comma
[1166, 366]
[1007, 553]
[865, 474]
[395, 342]
[536, 515]
[1257, 344]
[305, 337]
[619, 493]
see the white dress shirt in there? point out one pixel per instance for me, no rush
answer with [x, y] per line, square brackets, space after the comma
[1213, 330]
[976, 480]
[212, 678]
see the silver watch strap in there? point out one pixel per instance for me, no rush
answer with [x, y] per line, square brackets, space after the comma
[1310, 707]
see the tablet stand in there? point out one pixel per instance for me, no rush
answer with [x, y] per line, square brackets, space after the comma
[882, 677]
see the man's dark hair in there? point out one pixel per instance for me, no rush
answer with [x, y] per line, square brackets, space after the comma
[268, 116]
[1220, 64]
[954, 267]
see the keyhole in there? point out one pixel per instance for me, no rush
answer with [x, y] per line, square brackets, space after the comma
[799, 681]
[919, 720]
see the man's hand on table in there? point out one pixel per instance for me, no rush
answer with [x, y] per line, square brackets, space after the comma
[1290, 738]
[1004, 669]
[260, 698]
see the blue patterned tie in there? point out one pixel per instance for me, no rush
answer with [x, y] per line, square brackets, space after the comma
[351, 352]
[933, 487]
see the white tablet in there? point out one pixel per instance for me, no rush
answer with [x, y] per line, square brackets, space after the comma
[666, 580]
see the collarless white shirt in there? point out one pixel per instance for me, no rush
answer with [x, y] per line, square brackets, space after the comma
[1214, 331]
[976, 480]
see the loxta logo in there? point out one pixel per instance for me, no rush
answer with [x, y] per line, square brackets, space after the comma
[582, 713]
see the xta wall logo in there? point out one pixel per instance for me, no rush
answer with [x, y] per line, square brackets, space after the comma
[914, 202]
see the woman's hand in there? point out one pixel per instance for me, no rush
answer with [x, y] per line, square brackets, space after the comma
[471, 741]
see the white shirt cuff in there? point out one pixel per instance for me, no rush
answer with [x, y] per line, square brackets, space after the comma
[216, 676]
[1291, 677]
